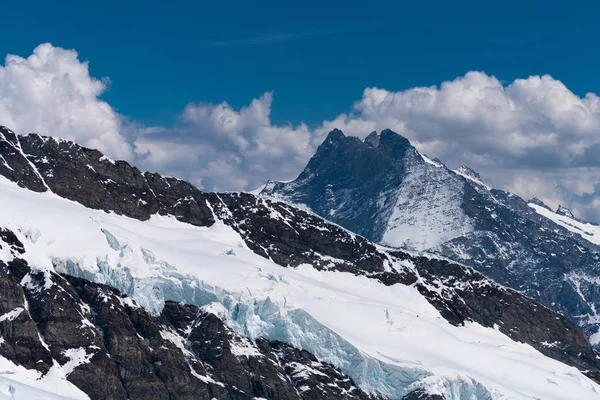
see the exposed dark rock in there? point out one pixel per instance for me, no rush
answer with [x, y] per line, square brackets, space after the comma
[421, 394]
[540, 203]
[372, 139]
[88, 177]
[562, 210]
[314, 379]
[21, 340]
[14, 165]
[11, 241]
[292, 237]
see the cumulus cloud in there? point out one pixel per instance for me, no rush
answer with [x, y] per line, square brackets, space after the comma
[535, 122]
[227, 149]
[532, 136]
[576, 188]
[51, 92]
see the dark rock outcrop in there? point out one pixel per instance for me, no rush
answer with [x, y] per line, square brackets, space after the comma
[346, 169]
[420, 394]
[88, 177]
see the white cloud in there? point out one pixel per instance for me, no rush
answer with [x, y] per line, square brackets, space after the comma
[536, 122]
[51, 92]
[228, 149]
[532, 136]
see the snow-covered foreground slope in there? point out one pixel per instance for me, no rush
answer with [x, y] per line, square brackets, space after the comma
[388, 338]
[19, 383]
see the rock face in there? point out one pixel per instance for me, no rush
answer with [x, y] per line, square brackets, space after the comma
[561, 210]
[346, 169]
[113, 349]
[422, 395]
[383, 189]
[88, 177]
[167, 354]
[369, 189]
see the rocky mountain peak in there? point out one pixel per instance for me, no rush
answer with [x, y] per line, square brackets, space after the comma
[561, 210]
[8, 135]
[335, 134]
[393, 141]
[372, 139]
[540, 203]
[466, 171]
[346, 169]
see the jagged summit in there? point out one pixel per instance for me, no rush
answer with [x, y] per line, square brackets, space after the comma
[8, 134]
[468, 172]
[372, 139]
[335, 134]
[540, 203]
[392, 140]
[473, 177]
[345, 170]
[561, 210]
[366, 186]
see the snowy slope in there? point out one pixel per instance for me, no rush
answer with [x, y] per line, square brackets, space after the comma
[419, 224]
[586, 230]
[388, 338]
[19, 383]
[585, 284]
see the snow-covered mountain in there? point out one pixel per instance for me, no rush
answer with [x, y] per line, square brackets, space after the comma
[384, 189]
[122, 284]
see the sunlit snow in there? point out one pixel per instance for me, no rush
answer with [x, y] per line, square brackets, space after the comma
[586, 230]
[387, 338]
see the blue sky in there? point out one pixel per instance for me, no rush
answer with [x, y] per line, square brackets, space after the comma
[159, 57]
[231, 94]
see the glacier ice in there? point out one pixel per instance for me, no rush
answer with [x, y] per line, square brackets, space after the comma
[261, 316]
